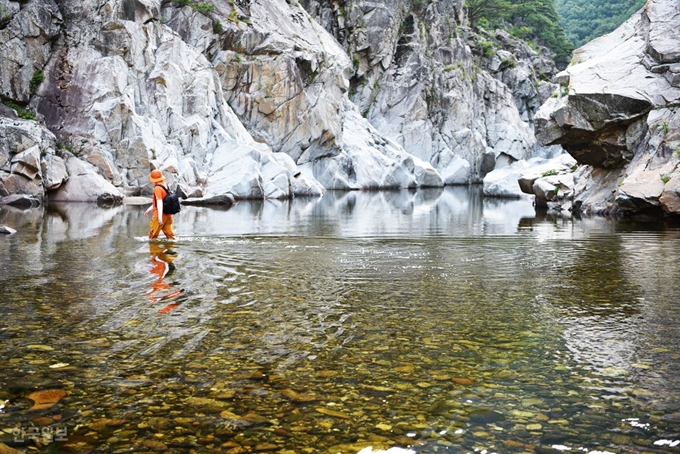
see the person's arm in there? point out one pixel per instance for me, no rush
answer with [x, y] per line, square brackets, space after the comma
[159, 205]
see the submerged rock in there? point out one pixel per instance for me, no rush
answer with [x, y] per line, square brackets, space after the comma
[46, 398]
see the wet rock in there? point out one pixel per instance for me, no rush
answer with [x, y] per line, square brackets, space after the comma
[4, 449]
[154, 445]
[405, 369]
[512, 444]
[485, 416]
[102, 423]
[298, 397]
[41, 421]
[364, 447]
[547, 450]
[255, 418]
[334, 413]
[207, 404]
[532, 402]
[264, 447]
[234, 419]
[78, 444]
[45, 399]
[442, 407]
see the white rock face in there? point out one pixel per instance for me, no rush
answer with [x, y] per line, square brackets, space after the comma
[25, 44]
[358, 166]
[618, 115]
[421, 81]
[155, 102]
[290, 89]
[255, 99]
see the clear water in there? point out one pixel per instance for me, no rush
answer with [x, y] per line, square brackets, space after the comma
[436, 321]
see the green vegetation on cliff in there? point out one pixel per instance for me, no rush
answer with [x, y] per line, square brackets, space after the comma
[585, 20]
[531, 20]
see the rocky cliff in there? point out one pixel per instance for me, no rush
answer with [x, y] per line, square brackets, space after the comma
[257, 99]
[618, 114]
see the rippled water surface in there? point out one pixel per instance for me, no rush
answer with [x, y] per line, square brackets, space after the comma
[436, 321]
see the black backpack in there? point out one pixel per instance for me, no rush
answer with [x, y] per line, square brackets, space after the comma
[170, 201]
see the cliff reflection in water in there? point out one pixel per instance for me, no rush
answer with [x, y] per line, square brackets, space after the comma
[434, 319]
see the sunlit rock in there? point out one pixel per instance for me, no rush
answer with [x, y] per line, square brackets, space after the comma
[364, 101]
[127, 94]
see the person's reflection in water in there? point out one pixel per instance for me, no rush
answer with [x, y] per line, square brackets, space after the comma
[161, 265]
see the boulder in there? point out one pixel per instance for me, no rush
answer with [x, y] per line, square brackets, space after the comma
[504, 182]
[562, 164]
[546, 179]
[20, 201]
[27, 163]
[53, 171]
[85, 184]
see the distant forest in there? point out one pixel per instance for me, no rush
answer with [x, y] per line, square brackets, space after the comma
[585, 20]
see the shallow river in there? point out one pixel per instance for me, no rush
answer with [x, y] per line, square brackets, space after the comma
[435, 321]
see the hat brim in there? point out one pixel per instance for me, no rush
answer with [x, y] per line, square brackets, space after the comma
[156, 180]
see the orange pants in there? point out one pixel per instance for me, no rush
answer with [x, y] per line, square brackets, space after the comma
[155, 228]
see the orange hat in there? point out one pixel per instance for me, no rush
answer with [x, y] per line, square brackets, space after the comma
[156, 176]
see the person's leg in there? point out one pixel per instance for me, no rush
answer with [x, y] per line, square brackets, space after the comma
[167, 228]
[154, 228]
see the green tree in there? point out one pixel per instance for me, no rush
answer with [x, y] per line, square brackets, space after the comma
[492, 11]
[539, 21]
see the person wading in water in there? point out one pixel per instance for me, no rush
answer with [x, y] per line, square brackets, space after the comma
[159, 220]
